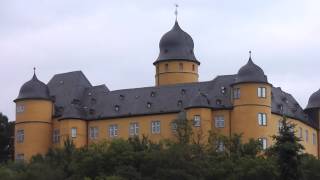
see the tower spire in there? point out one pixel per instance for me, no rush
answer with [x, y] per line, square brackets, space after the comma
[176, 11]
[34, 70]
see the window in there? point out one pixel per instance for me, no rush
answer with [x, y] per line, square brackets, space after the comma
[314, 139]
[300, 132]
[306, 135]
[134, 129]
[262, 119]
[155, 127]
[262, 92]
[263, 142]
[174, 126]
[219, 122]
[197, 121]
[20, 108]
[220, 146]
[157, 69]
[117, 108]
[73, 132]
[280, 125]
[20, 136]
[19, 157]
[193, 67]
[113, 130]
[236, 93]
[180, 67]
[93, 132]
[166, 67]
[56, 136]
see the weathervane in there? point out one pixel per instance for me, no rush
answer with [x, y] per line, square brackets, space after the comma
[176, 11]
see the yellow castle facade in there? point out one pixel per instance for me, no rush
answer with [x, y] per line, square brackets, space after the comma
[68, 106]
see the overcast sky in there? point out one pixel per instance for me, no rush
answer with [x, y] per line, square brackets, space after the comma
[116, 42]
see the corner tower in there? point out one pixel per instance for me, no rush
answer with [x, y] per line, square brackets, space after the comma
[252, 104]
[33, 120]
[176, 62]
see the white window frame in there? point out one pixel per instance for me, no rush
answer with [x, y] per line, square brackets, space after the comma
[300, 133]
[56, 136]
[174, 126]
[314, 139]
[113, 130]
[93, 132]
[262, 92]
[262, 119]
[20, 157]
[197, 120]
[264, 143]
[20, 136]
[219, 122]
[74, 132]
[20, 108]
[134, 129]
[236, 93]
[306, 135]
[155, 127]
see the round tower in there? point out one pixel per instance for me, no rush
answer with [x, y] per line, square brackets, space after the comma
[176, 62]
[252, 104]
[313, 108]
[33, 120]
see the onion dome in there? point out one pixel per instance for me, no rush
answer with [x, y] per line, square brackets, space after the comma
[251, 73]
[176, 45]
[314, 100]
[33, 89]
[199, 101]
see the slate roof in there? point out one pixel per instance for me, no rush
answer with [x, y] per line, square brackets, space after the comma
[251, 73]
[75, 97]
[33, 89]
[176, 44]
[314, 100]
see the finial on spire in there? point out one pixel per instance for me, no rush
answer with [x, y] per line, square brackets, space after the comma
[34, 70]
[176, 11]
[250, 54]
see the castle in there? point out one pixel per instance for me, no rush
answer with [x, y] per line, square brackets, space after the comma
[69, 106]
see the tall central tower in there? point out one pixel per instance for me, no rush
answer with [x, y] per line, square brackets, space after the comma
[176, 62]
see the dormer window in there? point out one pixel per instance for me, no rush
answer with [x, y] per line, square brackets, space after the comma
[149, 105]
[89, 94]
[179, 103]
[121, 97]
[153, 94]
[223, 89]
[117, 108]
[183, 91]
[218, 102]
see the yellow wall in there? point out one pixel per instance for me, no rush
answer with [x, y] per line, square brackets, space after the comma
[174, 75]
[65, 131]
[35, 120]
[200, 134]
[144, 126]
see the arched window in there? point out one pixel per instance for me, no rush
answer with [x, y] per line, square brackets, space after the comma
[193, 67]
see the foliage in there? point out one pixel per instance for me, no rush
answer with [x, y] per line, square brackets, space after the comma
[6, 140]
[287, 151]
[222, 158]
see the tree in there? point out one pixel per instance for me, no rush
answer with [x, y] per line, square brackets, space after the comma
[6, 138]
[287, 151]
[183, 128]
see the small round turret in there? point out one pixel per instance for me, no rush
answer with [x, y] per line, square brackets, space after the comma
[251, 73]
[314, 100]
[33, 89]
